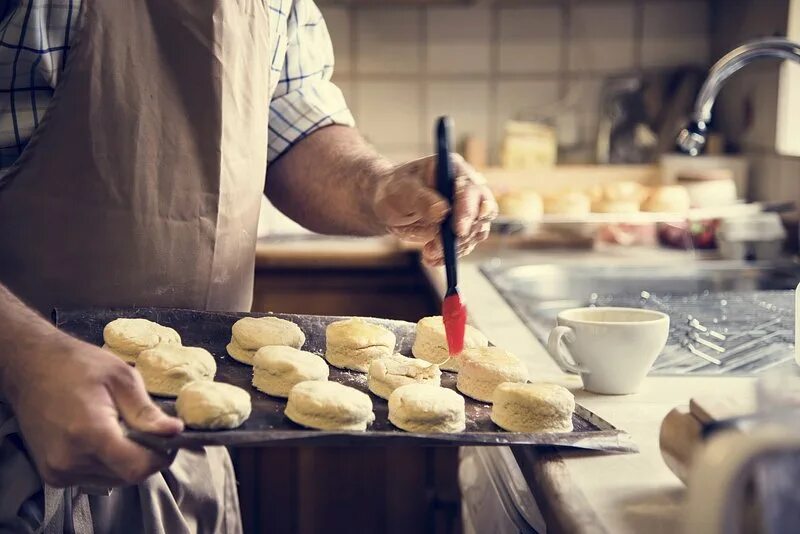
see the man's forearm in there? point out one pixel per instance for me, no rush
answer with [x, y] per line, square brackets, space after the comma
[23, 333]
[326, 182]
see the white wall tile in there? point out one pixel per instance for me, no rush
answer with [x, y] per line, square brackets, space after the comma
[390, 112]
[458, 40]
[338, 21]
[466, 102]
[530, 39]
[675, 33]
[602, 37]
[388, 40]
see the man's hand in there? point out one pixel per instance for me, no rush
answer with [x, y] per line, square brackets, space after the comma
[68, 397]
[407, 203]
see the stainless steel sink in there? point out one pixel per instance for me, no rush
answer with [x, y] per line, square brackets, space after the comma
[733, 298]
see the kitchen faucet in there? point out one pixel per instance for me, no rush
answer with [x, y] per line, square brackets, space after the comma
[692, 138]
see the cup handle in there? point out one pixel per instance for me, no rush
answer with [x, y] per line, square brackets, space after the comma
[556, 348]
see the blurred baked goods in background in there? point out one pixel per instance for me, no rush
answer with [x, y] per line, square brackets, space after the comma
[568, 202]
[526, 205]
[667, 198]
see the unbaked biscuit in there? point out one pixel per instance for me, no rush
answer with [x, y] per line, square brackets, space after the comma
[126, 338]
[354, 343]
[277, 369]
[426, 408]
[482, 370]
[213, 405]
[251, 333]
[430, 343]
[389, 373]
[329, 406]
[533, 407]
[166, 368]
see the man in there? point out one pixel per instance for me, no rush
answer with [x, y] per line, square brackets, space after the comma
[136, 138]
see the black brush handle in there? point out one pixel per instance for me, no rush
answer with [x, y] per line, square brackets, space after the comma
[445, 185]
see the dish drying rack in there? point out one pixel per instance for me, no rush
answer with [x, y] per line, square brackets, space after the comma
[719, 332]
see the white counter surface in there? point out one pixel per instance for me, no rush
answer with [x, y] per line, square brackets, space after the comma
[588, 492]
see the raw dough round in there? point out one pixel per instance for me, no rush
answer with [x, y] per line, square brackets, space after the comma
[251, 333]
[525, 205]
[430, 343]
[354, 343]
[389, 373]
[482, 370]
[213, 405]
[426, 408]
[533, 407]
[329, 406]
[277, 369]
[166, 368]
[128, 337]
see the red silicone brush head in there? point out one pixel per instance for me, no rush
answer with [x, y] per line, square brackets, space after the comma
[454, 314]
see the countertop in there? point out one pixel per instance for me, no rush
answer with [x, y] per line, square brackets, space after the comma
[577, 492]
[588, 492]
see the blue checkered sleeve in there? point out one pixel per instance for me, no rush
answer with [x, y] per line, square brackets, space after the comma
[35, 39]
[34, 43]
[305, 99]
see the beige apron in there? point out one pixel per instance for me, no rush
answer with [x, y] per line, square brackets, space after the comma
[141, 186]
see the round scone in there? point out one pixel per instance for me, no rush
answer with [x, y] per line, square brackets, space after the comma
[354, 343]
[166, 368]
[329, 406]
[572, 203]
[251, 333]
[426, 408]
[128, 337]
[389, 373]
[525, 205]
[668, 198]
[277, 369]
[482, 370]
[213, 405]
[533, 407]
[430, 343]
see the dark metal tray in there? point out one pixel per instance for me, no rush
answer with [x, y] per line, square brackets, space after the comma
[268, 426]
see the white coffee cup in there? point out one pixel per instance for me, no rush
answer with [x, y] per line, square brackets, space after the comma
[611, 348]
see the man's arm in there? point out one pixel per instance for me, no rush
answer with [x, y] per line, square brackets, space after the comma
[327, 181]
[68, 397]
[333, 182]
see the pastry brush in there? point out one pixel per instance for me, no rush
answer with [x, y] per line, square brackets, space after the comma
[454, 313]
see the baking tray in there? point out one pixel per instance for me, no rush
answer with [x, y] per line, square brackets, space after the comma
[268, 426]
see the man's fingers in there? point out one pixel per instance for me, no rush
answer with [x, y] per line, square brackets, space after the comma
[417, 233]
[136, 407]
[433, 253]
[130, 462]
[467, 206]
[409, 202]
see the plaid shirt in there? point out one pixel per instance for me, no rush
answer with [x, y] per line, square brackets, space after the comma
[35, 38]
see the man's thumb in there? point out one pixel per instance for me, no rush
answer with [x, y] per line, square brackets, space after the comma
[139, 411]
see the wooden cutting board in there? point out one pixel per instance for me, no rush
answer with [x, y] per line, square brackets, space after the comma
[682, 428]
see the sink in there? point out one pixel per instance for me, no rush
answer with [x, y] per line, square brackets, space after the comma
[750, 304]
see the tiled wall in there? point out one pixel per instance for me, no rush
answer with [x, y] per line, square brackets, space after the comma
[400, 67]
